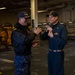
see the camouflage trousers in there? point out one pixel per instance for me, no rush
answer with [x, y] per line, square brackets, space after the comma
[22, 65]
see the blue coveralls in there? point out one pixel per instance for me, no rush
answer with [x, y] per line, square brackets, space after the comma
[56, 59]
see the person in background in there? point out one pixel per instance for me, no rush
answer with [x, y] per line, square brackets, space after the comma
[22, 40]
[57, 39]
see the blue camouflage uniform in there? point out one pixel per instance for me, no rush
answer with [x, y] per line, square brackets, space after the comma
[55, 52]
[21, 39]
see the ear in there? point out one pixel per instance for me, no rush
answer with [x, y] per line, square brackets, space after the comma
[56, 17]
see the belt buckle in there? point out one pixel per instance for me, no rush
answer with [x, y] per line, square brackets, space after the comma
[54, 50]
[57, 50]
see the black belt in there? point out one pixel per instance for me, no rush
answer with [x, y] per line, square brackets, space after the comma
[55, 50]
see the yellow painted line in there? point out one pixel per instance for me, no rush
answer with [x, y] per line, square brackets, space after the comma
[6, 60]
[1, 73]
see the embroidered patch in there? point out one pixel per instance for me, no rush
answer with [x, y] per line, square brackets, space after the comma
[56, 33]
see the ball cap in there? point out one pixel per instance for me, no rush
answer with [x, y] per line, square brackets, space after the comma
[22, 14]
[53, 13]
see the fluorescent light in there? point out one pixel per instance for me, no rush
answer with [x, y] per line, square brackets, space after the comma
[70, 22]
[2, 8]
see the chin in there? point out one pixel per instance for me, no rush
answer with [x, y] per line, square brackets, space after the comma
[25, 24]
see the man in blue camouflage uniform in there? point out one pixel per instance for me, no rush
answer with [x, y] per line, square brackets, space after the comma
[57, 39]
[22, 40]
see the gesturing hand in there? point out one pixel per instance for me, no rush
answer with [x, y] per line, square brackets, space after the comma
[50, 34]
[37, 30]
[49, 29]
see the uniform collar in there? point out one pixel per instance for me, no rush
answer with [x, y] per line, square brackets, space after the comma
[53, 26]
[19, 26]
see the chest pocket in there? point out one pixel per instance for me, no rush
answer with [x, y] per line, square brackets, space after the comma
[56, 32]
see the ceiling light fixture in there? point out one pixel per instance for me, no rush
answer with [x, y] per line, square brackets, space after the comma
[2, 8]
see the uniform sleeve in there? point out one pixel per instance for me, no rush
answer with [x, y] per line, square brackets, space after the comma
[29, 38]
[44, 36]
[62, 41]
[18, 38]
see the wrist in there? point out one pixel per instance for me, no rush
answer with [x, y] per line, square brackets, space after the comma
[52, 36]
[35, 34]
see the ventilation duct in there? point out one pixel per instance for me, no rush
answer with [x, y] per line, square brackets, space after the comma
[54, 7]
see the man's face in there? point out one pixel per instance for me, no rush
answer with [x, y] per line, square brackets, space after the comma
[53, 19]
[23, 21]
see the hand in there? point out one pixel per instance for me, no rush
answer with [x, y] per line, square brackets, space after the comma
[49, 28]
[50, 34]
[37, 30]
[34, 44]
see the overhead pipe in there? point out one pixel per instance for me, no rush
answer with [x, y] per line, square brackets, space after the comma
[55, 7]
